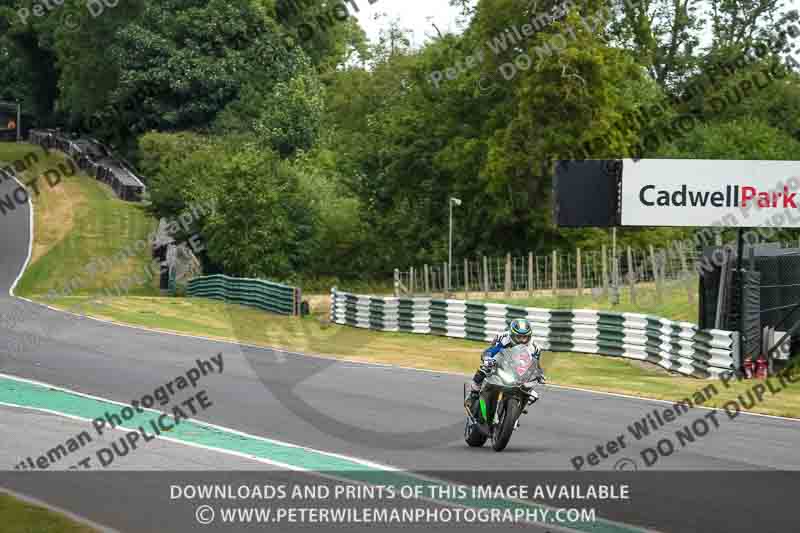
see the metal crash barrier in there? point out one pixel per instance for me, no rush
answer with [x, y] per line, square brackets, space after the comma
[676, 346]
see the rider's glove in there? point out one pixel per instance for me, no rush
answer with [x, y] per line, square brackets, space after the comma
[489, 363]
[541, 379]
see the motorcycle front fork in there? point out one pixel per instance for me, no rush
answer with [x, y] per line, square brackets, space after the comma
[530, 401]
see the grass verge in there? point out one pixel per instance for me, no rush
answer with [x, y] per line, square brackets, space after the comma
[674, 302]
[21, 517]
[78, 221]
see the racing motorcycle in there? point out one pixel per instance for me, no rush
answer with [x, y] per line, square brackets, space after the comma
[505, 395]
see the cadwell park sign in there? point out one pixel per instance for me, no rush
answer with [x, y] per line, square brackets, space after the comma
[692, 192]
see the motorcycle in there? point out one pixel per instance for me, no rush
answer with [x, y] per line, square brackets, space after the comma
[505, 395]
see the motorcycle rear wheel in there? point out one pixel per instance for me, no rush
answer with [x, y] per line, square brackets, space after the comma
[503, 431]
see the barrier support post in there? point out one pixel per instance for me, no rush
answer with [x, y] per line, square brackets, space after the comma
[298, 301]
[631, 276]
[508, 276]
[530, 274]
[446, 279]
[485, 277]
[656, 272]
[466, 278]
[605, 271]
[686, 274]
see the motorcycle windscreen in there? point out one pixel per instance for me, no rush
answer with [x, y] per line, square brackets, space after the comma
[520, 360]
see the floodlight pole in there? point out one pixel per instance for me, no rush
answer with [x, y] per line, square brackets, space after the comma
[19, 122]
[456, 201]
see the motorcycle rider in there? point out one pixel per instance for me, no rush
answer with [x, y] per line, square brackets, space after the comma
[519, 332]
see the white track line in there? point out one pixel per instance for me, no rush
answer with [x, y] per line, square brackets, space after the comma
[168, 439]
[363, 462]
[30, 242]
[670, 402]
[441, 502]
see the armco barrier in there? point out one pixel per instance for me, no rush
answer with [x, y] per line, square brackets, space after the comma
[95, 159]
[676, 346]
[266, 295]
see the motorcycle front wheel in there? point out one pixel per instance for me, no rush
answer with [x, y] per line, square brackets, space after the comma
[504, 429]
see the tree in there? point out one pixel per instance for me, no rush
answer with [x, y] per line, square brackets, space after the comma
[262, 227]
[28, 59]
[574, 93]
[747, 137]
[663, 35]
[286, 119]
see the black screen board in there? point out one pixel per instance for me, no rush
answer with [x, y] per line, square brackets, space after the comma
[586, 193]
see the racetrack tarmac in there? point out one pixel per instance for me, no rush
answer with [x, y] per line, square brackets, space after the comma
[404, 418]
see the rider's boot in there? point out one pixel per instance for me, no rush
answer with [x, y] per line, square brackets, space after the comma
[474, 394]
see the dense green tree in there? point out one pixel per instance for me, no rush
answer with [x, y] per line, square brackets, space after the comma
[261, 227]
[263, 224]
[286, 119]
[27, 57]
[663, 35]
[176, 169]
[330, 156]
[748, 137]
[340, 241]
[326, 31]
[16, 85]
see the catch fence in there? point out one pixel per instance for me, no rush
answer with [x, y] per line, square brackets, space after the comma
[559, 271]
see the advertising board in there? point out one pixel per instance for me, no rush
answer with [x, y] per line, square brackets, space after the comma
[706, 192]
